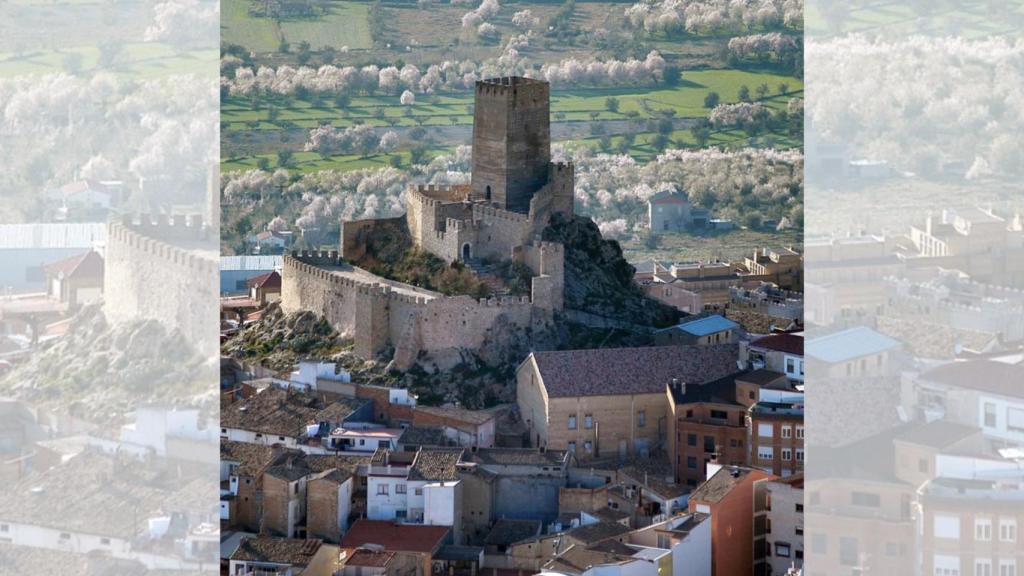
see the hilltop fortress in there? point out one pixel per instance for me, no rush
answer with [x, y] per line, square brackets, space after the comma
[500, 216]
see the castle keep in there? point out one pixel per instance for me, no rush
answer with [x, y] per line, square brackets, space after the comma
[499, 216]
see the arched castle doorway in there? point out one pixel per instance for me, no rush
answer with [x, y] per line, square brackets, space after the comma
[466, 252]
[487, 194]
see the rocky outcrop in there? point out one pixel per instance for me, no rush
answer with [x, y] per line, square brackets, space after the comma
[598, 279]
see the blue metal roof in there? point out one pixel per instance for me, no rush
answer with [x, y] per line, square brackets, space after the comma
[705, 326]
[849, 345]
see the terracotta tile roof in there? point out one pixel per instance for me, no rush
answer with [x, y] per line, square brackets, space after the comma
[369, 558]
[505, 531]
[266, 280]
[717, 487]
[598, 531]
[436, 465]
[517, 457]
[291, 551]
[280, 412]
[395, 537]
[788, 343]
[990, 376]
[620, 371]
[610, 514]
[761, 377]
[252, 458]
[474, 417]
[422, 436]
[87, 263]
[579, 559]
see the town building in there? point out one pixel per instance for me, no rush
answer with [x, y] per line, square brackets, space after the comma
[669, 211]
[781, 266]
[776, 436]
[26, 249]
[780, 352]
[778, 525]
[290, 418]
[265, 288]
[857, 352]
[77, 280]
[522, 483]
[422, 541]
[283, 557]
[236, 271]
[714, 329]
[461, 427]
[607, 402]
[727, 496]
[711, 281]
[767, 298]
[422, 488]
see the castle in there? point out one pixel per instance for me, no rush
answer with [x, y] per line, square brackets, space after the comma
[514, 191]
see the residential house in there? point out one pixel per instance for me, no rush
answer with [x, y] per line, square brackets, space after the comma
[781, 266]
[423, 541]
[710, 280]
[714, 329]
[462, 427]
[669, 211]
[76, 280]
[780, 352]
[778, 525]
[241, 475]
[727, 496]
[523, 482]
[687, 536]
[310, 494]
[415, 437]
[235, 271]
[290, 418]
[269, 242]
[669, 293]
[422, 489]
[374, 562]
[707, 422]
[776, 436]
[362, 438]
[857, 352]
[270, 555]
[265, 288]
[603, 402]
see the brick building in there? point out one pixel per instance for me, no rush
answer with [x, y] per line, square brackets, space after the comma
[776, 436]
[728, 497]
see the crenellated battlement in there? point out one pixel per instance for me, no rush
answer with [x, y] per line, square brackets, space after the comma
[150, 238]
[442, 193]
[485, 211]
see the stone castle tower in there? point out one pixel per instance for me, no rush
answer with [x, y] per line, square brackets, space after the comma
[511, 141]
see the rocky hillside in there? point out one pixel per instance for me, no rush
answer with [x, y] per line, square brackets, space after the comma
[104, 371]
[598, 279]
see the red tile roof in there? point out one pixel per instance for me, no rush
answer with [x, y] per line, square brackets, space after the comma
[788, 343]
[620, 371]
[268, 280]
[395, 537]
[87, 263]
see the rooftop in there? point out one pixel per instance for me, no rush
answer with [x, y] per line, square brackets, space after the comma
[266, 280]
[475, 417]
[937, 434]
[704, 326]
[518, 457]
[250, 263]
[369, 558]
[788, 343]
[422, 436]
[436, 465]
[505, 531]
[279, 412]
[395, 537]
[623, 371]
[291, 551]
[849, 345]
[785, 409]
[88, 263]
[720, 391]
[717, 487]
[990, 376]
[52, 235]
[598, 531]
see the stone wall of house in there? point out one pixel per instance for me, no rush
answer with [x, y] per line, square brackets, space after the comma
[163, 269]
[575, 500]
[322, 509]
[276, 496]
[248, 504]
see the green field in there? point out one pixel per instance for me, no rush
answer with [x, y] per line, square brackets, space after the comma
[969, 19]
[137, 60]
[686, 100]
[343, 24]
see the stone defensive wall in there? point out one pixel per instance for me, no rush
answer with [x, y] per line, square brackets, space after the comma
[163, 269]
[380, 314]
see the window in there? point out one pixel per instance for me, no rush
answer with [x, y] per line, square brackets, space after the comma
[588, 446]
[720, 414]
[790, 365]
[799, 510]
[418, 491]
[691, 462]
[572, 422]
[782, 550]
[799, 454]
[765, 430]
[5, 527]
[105, 541]
[849, 555]
[947, 527]
[691, 439]
[819, 543]
[382, 489]
[787, 454]
[399, 488]
[1015, 419]
[1007, 568]
[709, 443]
[1007, 531]
[765, 452]
[799, 530]
[983, 529]
[641, 418]
[990, 415]
[787, 431]
[982, 567]
[572, 447]
[588, 421]
[689, 413]
[65, 536]
[800, 432]
[866, 499]
[922, 465]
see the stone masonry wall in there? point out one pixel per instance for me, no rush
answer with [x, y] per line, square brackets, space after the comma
[322, 509]
[165, 270]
